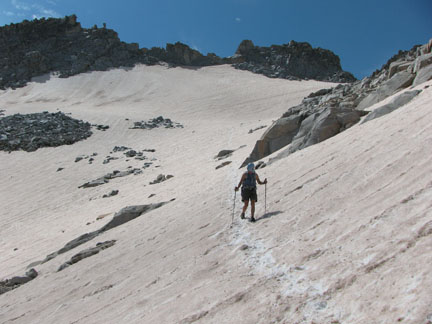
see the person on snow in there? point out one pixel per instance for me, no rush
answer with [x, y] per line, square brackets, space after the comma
[248, 182]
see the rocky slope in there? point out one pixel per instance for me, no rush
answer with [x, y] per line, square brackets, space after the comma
[62, 46]
[328, 112]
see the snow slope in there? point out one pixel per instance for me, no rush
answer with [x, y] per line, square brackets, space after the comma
[346, 237]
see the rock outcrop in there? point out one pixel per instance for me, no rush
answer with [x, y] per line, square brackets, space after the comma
[62, 46]
[293, 61]
[328, 112]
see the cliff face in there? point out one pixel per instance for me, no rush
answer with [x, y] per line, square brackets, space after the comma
[33, 48]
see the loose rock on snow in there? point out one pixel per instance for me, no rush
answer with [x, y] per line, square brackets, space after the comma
[161, 178]
[30, 132]
[155, 123]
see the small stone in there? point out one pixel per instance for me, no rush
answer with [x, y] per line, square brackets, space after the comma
[131, 153]
[244, 247]
[111, 194]
[321, 305]
[32, 273]
[260, 165]
[59, 169]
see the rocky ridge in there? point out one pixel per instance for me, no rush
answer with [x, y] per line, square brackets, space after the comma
[62, 46]
[292, 61]
[328, 112]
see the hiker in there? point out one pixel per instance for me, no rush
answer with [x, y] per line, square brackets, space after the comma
[248, 182]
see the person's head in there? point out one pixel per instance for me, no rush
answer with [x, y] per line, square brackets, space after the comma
[251, 167]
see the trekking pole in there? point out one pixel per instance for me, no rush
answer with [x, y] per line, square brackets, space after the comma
[265, 198]
[232, 217]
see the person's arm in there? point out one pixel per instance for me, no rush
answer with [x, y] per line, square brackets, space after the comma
[259, 180]
[241, 181]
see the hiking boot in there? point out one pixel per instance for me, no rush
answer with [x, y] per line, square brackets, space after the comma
[252, 219]
[242, 216]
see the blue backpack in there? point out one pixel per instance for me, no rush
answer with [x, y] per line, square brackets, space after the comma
[250, 181]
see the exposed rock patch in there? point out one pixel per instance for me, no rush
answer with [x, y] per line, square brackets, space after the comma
[120, 148]
[224, 154]
[33, 131]
[15, 282]
[112, 175]
[156, 123]
[108, 159]
[161, 178]
[101, 127]
[129, 153]
[87, 253]
[223, 164]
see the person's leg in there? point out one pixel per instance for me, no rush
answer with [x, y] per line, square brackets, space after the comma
[245, 206]
[252, 209]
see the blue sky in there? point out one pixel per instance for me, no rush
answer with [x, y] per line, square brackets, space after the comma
[364, 34]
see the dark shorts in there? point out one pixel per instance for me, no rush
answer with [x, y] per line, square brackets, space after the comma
[249, 194]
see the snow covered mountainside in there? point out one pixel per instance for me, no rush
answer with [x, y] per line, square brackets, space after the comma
[343, 231]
